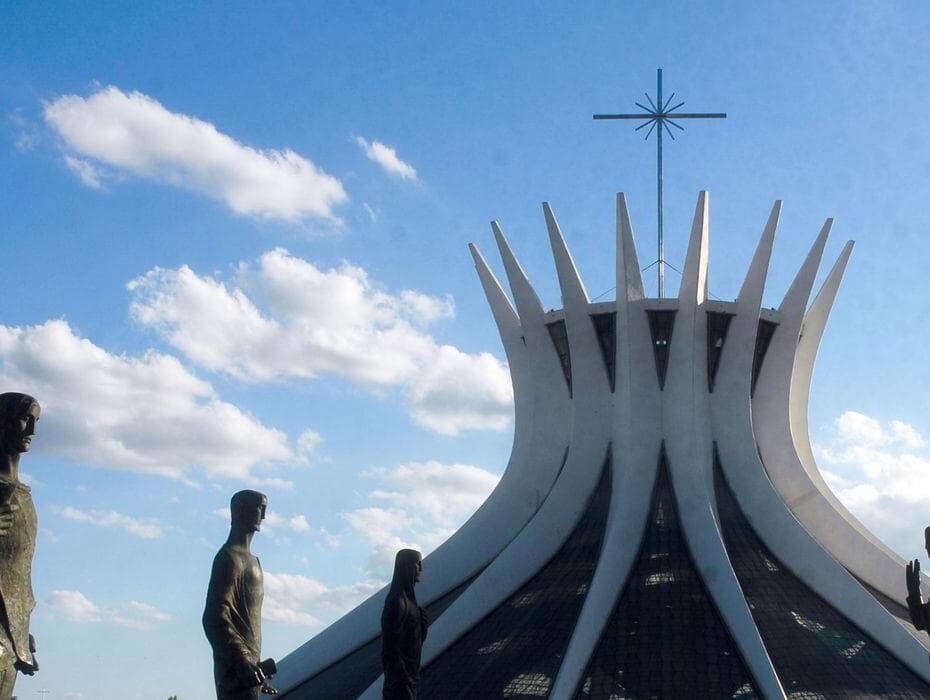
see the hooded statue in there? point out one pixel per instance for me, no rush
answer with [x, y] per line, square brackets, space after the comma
[403, 629]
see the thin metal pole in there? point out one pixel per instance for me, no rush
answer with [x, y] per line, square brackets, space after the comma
[661, 266]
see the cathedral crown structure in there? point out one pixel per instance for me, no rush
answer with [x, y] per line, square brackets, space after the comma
[661, 529]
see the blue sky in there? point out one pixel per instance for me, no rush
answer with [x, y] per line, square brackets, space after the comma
[235, 244]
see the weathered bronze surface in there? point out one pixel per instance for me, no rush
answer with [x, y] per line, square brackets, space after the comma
[19, 414]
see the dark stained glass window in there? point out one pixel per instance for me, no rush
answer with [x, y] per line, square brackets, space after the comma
[665, 638]
[605, 325]
[661, 323]
[816, 651]
[560, 340]
[717, 326]
[517, 649]
[763, 340]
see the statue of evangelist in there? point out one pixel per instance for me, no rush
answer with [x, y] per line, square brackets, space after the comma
[18, 526]
[232, 618]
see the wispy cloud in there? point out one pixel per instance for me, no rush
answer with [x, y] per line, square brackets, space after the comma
[26, 135]
[146, 528]
[138, 616]
[86, 172]
[287, 319]
[134, 134]
[387, 158]
[145, 413]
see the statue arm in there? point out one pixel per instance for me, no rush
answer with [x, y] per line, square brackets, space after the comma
[919, 612]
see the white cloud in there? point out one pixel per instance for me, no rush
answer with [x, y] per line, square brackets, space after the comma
[146, 528]
[426, 502]
[299, 600]
[144, 414]
[386, 157]
[285, 318]
[456, 391]
[73, 606]
[135, 134]
[859, 428]
[880, 473]
[425, 309]
[446, 492]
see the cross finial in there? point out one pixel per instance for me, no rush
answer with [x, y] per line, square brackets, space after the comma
[660, 114]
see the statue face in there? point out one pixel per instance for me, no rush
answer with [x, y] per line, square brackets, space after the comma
[418, 571]
[19, 428]
[257, 514]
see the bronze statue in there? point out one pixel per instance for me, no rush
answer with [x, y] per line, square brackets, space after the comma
[232, 617]
[403, 629]
[919, 610]
[19, 414]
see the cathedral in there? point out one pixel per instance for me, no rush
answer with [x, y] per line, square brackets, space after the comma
[661, 529]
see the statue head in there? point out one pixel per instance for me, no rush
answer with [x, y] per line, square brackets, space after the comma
[248, 509]
[408, 564]
[18, 416]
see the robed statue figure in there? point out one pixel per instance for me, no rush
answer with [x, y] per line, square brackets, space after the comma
[232, 618]
[403, 629]
[18, 526]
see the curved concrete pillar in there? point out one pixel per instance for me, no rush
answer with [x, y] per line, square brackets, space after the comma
[637, 441]
[765, 509]
[689, 446]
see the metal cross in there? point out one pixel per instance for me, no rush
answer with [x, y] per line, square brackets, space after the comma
[659, 113]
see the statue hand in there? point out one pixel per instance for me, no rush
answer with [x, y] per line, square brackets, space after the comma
[27, 669]
[912, 576]
[249, 674]
[6, 517]
[268, 690]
